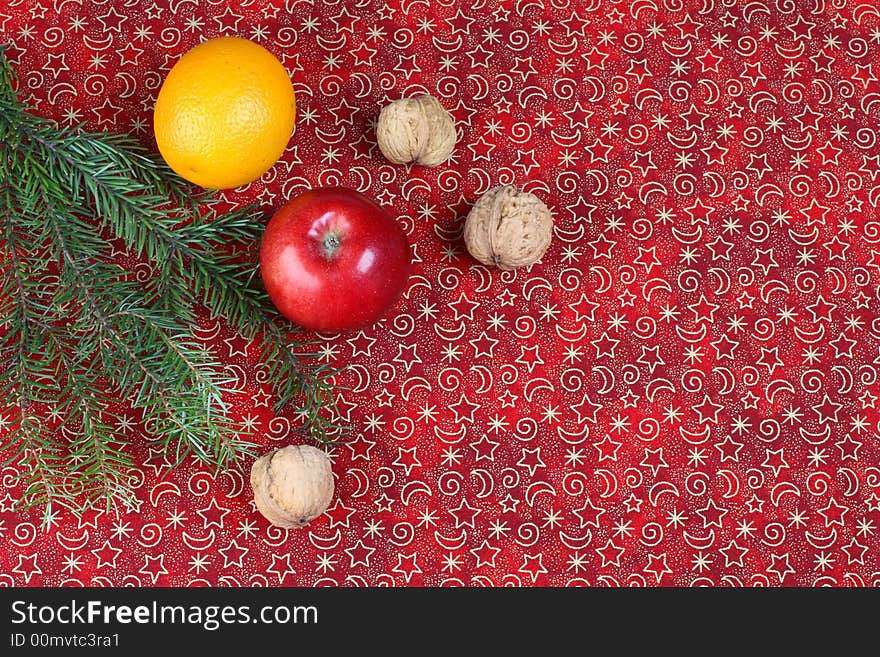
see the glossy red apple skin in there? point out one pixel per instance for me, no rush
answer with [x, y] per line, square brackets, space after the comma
[332, 260]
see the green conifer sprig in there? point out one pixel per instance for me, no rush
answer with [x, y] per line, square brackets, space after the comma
[79, 333]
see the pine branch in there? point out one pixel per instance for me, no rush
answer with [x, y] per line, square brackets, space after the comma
[74, 327]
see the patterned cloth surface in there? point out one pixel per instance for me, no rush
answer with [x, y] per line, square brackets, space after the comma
[684, 390]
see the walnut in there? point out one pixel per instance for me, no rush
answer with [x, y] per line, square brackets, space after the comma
[508, 228]
[417, 130]
[293, 485]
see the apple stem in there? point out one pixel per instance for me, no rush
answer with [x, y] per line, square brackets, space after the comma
[331, 245]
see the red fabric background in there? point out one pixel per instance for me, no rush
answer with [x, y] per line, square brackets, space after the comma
[683, 392]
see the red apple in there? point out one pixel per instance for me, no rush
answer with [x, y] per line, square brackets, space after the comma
[333, 260]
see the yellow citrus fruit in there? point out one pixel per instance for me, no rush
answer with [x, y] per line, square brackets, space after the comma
[225, 113]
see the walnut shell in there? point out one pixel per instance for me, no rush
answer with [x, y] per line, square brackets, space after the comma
[293, 485]
[508, 228]
[417, 130]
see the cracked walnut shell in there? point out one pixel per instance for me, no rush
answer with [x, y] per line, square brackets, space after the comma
[508, 228]
[416, 129]
[292, 485]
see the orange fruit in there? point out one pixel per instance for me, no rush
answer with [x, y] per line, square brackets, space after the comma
[224, 113]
